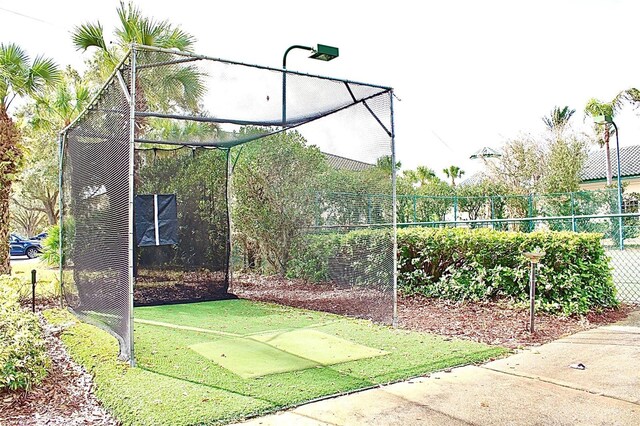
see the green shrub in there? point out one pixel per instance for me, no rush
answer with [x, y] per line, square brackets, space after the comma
[468, 264]
[51, 247]
[357, 258]
[23, 354]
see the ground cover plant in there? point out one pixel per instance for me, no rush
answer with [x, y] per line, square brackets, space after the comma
[23, 358]
[182, 352]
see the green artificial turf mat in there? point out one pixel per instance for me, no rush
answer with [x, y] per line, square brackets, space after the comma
[317, 346]
[249, 358]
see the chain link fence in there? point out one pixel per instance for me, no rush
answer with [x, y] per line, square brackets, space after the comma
[620, 240]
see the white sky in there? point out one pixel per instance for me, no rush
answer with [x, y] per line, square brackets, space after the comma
[469, 73]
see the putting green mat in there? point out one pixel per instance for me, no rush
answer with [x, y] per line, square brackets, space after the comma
[280, 352]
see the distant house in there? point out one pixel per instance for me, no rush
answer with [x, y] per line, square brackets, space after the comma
[594, 172]
[344, 163]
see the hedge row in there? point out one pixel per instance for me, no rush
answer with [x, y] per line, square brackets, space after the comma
[23, 354]
[468, 264]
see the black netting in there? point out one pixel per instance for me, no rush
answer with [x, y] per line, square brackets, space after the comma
[237, 194]
[195, 267]
[96, 214]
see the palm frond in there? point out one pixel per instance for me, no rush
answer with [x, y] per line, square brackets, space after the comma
[88, 35]
[44, 72]
[175, 38]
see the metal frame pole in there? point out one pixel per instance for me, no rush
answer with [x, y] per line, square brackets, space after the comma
[131, 259]
[61, 139]
[394, 213]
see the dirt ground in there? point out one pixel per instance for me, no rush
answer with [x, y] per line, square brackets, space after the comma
[495, 323]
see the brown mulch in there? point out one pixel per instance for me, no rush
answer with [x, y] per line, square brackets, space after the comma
[157, 287]
[338, 299]
[65, 396]
[495, 323]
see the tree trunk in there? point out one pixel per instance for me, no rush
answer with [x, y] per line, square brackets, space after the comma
[608, 154]
[5, 190]
[9, 158]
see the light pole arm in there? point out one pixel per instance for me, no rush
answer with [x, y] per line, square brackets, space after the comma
[295, 46]
[284, 79]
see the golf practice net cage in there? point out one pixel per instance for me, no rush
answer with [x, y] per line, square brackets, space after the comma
[191, 178]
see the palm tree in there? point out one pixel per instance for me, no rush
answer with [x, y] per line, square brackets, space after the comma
[19, 77]
[420, 176]
[558, 119]
[453, 173]
[178, 86]
[595, 108]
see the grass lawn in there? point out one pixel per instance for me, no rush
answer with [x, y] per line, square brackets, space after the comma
[47, 284]
[215, 362]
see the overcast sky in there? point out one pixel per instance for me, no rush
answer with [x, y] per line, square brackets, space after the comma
[468, 74]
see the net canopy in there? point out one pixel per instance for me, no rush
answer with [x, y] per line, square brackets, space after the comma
[188, 180]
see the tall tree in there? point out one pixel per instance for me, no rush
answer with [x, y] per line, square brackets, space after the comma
[51, 111]
[595, 108]
[420, 176]
[558, 119]
[179, 86]
[19, 77]
[453, 173]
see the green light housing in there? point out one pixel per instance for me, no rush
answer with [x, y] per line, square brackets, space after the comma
[325, 53]
[602, 119]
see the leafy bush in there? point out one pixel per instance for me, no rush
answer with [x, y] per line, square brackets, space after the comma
[23, 354]
[461, 264]
[356, 258]
[468, 264]
[51, 247]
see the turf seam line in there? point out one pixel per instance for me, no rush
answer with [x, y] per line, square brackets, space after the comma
[186, 327]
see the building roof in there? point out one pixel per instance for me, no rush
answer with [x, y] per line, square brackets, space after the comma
[595, 166]
[474, 179]
[343, 163]
[486, 152]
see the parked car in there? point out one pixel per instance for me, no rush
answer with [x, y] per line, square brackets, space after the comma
[41, 236]
[20, 246]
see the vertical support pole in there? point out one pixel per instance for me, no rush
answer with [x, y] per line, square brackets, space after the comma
[33, 290]
[455, 211]
[394, 214]
[131, 258]
[369, 209]
[229, 221]
[415, 208]
[532, 297]
[573, 214]
[62, 138]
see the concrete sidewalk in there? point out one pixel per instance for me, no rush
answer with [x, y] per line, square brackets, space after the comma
[533, 387]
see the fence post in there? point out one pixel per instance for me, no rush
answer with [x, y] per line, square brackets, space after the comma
[573, 214]
[530, 214]
[493, 224]
[455, 211]
[415, 213]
